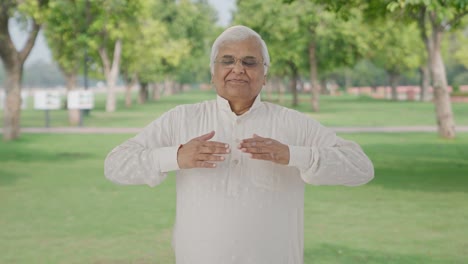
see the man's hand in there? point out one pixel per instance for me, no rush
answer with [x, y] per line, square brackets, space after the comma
[200, 153]
[265, 149]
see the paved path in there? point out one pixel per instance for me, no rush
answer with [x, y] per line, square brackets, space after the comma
[128, 130]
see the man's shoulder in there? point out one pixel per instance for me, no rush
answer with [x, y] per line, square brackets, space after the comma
[276, 108]
[195, 107]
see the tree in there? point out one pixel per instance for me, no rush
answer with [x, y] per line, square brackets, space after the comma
[30, 12]
[276, 24]
[65, 31]
[396, 48]
[434, 19]
[109, 22]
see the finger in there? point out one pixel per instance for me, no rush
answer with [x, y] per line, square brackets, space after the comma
[255, 150]
[263, 156]
[208, 157]
[203, 164]
[256, 139]
[263, 144]
[206, 137]
[213, 150]
[216, 144]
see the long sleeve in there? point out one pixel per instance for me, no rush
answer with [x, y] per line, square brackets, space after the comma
[147, 157]
[330, 160]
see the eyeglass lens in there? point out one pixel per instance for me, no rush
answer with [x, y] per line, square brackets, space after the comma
[230, 61]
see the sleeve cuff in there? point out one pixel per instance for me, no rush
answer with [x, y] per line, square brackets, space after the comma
[167, 158]
[300, 157]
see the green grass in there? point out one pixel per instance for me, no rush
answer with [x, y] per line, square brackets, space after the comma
[335, 111]
[56, 206]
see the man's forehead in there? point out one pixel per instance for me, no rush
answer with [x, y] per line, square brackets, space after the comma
[248, 47]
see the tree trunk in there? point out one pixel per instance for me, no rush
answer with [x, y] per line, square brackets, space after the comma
[293, 82]
[315, 87]
[282, 89]
[131, 82]
[348, 79]
[13, 61]
[73, 114]
[143, 94]
[443, 105]
[393, 79]
[111, 71]
[12, 108]
[168, 86]
[156, 91]
[425, 82]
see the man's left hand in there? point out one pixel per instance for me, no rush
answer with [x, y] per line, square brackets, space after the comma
[265, 149]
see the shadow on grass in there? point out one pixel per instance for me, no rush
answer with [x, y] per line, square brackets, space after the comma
[330, 253]
[39, 156]
[14, 162]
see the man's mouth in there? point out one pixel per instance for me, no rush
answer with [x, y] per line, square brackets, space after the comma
[237, 81]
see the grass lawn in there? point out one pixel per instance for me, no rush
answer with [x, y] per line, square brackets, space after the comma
[56, 206]
[335, 111]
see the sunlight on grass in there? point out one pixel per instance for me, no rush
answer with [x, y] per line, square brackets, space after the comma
[57, 207]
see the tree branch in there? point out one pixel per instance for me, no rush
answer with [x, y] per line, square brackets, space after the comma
[7, 48]
[456, 19]
[105, 60]
[23, 54]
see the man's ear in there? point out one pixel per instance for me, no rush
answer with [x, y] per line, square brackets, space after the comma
[264, 79]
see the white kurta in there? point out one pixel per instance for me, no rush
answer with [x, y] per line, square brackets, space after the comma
[244, 210]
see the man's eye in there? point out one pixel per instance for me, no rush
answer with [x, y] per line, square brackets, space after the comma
[227, 61]
[249, 62]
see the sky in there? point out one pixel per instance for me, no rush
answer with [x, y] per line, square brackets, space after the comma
[42, 52]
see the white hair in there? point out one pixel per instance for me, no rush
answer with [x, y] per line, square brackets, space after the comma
[238, 33]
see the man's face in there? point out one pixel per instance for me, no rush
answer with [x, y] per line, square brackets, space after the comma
[242, 81]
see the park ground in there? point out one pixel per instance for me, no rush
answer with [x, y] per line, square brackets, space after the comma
[57, 207]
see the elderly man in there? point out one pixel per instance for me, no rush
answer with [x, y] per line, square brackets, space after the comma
[241, 163]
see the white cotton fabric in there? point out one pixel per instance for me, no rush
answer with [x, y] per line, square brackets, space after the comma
[244, 210]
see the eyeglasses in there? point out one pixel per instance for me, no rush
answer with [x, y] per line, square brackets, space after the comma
[229, 62]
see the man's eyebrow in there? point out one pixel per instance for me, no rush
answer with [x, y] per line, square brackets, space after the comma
[227, 56]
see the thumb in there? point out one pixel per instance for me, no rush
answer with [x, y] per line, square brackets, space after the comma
[206, 137]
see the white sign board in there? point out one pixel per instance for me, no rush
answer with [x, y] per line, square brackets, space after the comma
[47, 100]
[80, 99]
[24, 100]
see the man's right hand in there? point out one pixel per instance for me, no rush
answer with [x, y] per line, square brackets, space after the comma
[201, 153]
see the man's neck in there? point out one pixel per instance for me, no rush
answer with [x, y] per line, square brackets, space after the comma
[240, 108]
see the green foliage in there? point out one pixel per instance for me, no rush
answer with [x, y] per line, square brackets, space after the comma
[170, 40]
[65, 32]
[396, 46]
[289, 29]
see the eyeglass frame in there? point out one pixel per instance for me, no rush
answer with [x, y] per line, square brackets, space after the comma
[231, 66]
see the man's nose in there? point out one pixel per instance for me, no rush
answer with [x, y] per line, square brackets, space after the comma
[238, 66]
